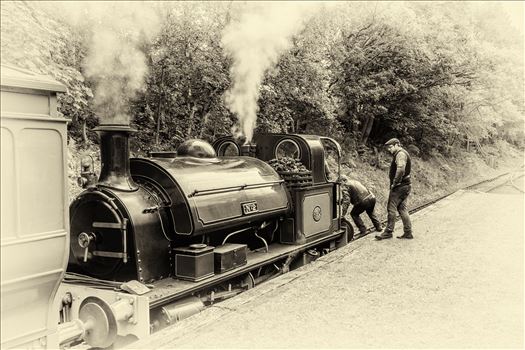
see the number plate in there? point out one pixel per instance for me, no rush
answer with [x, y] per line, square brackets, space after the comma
[249, 208]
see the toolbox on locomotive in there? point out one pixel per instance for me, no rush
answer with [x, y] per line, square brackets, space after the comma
[229, 256]
[193, 263]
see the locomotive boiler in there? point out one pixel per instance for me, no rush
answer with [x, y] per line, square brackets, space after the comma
[126, 226]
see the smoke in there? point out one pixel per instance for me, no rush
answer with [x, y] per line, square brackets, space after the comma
[115, 61]
[255, 43]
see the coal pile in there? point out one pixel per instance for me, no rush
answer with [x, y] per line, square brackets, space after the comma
[293, 172]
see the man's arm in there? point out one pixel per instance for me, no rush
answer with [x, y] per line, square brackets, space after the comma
[401, 161]
[345, 200]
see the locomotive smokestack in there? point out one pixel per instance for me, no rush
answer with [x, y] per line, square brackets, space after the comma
[114, 155]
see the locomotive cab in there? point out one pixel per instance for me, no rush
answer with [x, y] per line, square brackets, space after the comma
[314, 197]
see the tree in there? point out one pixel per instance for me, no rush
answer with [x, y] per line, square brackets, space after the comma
[295, 95]
[33, 40]
[188, 75]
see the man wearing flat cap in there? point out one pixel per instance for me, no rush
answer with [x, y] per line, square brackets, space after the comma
[400, 187]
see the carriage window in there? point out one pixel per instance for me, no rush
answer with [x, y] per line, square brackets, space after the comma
[228, 149]
[287, 148]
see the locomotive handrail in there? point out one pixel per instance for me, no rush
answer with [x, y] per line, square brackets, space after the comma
[196, 193]
[114, 225]
[339, 189]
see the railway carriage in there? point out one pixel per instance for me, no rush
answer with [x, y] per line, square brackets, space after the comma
[34, 226]
[151, 240]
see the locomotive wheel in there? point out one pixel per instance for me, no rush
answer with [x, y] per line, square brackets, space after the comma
[100, 322]
[248, 281]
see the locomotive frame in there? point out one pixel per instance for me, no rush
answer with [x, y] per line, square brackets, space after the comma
[125, 228]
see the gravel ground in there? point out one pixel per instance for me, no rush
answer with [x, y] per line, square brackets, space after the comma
[458, 284]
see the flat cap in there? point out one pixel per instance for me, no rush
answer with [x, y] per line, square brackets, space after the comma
[393, 141]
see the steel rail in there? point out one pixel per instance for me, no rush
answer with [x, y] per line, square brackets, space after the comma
[510, 182]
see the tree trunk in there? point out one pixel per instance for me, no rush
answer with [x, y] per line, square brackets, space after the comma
[377, 158]
[159, 103]
[206, 112]
[367, 128]
[84, 132]
[204, 123]
[189, 131]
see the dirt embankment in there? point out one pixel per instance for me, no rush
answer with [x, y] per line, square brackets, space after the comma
[432, 178]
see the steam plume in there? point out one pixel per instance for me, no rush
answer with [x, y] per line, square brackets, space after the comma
[114, 61]
[255, 43]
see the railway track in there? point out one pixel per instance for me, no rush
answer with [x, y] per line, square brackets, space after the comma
[511, 183]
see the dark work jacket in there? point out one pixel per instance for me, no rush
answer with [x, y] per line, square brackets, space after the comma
[357, 191]
[405, 179]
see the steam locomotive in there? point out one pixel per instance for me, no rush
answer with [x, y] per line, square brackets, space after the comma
[153, 240]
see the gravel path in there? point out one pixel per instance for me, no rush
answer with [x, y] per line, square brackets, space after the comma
[458, 284]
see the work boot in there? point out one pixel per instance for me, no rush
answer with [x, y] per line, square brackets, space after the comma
[360, 234]
[379, 229]
[406, 236]
[384, 235]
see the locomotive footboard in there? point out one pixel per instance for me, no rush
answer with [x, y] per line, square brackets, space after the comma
[169, 289]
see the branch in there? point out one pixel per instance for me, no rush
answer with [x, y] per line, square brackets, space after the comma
[332, 84]
[360, 32]
[485, 103]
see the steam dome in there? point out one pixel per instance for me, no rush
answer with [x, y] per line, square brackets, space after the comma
[196, 148]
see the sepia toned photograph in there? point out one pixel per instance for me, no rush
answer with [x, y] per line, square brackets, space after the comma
[262, 175]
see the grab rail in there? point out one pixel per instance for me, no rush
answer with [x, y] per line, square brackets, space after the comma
[196, 193]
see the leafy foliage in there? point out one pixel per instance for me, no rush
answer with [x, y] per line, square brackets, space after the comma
[188, 76]
[33, 40]
[431, 74]
[396, 81]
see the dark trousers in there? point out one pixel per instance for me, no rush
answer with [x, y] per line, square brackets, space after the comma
[397, 203]
[367, 205]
